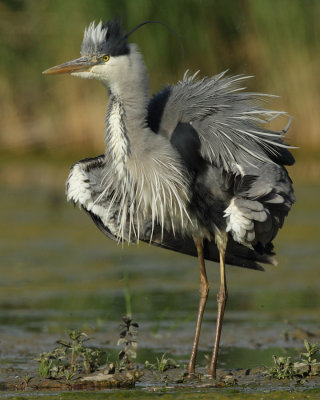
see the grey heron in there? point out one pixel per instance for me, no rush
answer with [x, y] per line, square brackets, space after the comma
[195, 168]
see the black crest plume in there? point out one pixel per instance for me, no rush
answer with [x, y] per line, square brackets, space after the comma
[115, 39]
[109, 38]
[105, 38]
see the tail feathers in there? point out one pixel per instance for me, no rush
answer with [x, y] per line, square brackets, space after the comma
[242, 256]
[236, 254]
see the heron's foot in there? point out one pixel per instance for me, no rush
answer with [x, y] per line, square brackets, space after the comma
[191, 368]
[213, 372]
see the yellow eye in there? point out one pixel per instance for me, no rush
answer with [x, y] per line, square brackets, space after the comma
[106, 58]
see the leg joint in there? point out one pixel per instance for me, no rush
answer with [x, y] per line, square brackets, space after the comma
[204, 289]
[222, 296]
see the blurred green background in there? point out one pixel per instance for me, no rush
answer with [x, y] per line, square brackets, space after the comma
[278, 42]
[57, 270]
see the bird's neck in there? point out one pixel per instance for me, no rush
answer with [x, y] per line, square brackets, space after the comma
[127, 113]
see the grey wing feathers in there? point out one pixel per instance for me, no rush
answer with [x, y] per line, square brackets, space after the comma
[230, 124]
[84, 187]
[231, 127]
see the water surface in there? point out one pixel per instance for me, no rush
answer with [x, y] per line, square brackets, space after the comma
[58, 272]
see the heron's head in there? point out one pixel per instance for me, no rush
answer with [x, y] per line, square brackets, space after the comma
[105, 54]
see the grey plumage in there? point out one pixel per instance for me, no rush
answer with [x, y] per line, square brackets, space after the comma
[235, 141]
[105, 217]
[229, 122]
[196, 163]
[219, 143]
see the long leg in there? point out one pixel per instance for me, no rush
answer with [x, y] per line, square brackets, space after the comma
[222, 300]
[204, 289]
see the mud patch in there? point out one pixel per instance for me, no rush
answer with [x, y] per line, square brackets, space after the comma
[243, 380]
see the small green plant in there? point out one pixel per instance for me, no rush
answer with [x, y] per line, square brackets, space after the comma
[308, 357]
[162, 364]
[45, 360]
[127, 338]
[70, 358]
[26, 380]
[68, 375]
[285, 368]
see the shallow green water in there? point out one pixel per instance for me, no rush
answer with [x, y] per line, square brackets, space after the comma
[169, 394]
[58, 271]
